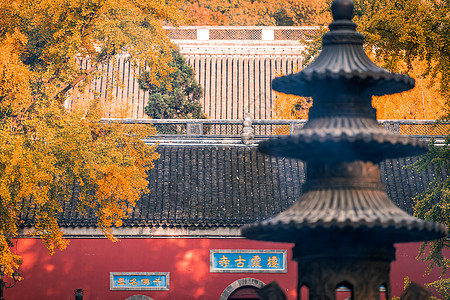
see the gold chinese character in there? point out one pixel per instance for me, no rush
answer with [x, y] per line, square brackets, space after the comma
[157, 280]
[133, 282]
[224, 261]
[255, 261]
[272, 262]
[121, 281]
[240, 262]
[145, 281]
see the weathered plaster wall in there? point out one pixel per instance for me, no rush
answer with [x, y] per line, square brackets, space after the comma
[86, 264]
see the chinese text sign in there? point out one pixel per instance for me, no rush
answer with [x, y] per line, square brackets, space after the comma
[248, 261]
[139, 281]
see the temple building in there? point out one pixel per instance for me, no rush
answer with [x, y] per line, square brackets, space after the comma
[234, 65]
[182, 240]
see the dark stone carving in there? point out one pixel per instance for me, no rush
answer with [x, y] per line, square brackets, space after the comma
[194, 128]
[363, 277]
[271, 291]
[247, 131]
[342, 9]
[362, 269]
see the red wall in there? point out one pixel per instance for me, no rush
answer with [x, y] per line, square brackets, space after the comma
[86, 264]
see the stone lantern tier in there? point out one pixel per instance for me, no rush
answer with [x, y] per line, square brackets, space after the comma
[343, 138]
[343, 66]
[344, 200]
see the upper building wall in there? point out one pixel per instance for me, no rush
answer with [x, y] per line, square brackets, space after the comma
[234, 65]
[247, 33]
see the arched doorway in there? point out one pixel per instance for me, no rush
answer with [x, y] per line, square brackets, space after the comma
[244, 293]
[139, 297]
[244, 288]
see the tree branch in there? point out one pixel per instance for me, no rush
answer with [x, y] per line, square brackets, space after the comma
[81, 77]
[70, 86]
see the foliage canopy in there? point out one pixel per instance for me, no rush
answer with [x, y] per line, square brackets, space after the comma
[45, 149]
[402, 31]
[257, 12]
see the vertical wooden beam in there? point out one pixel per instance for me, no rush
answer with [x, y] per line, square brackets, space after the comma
[234, 87]
[240, 89]
[229, 85]
[251, 87]
[258, 95]
[207, 86]
[270, 92]
[213, 86]
[245, 87]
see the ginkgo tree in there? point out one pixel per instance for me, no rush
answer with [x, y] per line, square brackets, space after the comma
[46, 150]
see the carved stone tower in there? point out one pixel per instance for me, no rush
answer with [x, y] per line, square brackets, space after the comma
[344, 226]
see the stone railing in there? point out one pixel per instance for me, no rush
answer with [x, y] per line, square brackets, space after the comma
[247, 33]
[203, 129]
[418, 128]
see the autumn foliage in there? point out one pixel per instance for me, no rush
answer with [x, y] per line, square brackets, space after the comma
[404, 36]
[257, 12]
[424, 102]
[46, 150]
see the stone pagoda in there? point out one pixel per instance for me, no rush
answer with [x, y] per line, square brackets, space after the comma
[344, 226]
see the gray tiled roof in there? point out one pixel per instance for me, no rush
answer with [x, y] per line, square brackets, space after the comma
[403, 183]
[204, 186]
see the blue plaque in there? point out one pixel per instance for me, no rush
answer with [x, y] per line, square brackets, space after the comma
[248, 261]
[158, 281]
